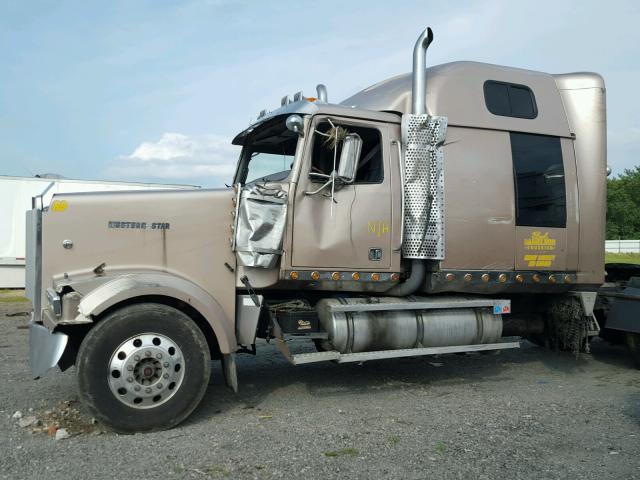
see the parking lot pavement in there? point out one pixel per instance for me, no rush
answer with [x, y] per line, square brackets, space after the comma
[527, 413]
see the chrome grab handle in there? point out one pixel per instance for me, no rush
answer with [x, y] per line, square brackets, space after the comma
[401, 168]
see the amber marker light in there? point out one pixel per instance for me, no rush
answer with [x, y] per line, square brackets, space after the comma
[568, 279]
[520, 278]
[536, 278]
[502, 277]
[293, 275]
[485, 277]
[395, 277]
[315, 275]
[468, 277]
[450, 277]
[552, 279]
[355, 276]
[375, 277]
[335, 276]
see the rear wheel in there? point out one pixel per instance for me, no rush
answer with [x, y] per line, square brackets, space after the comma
[144, 367]
[633, 342]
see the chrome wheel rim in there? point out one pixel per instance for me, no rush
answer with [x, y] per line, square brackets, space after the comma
[146, 370]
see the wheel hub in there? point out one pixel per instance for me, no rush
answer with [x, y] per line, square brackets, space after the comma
[146, 370]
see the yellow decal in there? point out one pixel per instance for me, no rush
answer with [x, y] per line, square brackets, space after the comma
[378, 228]
[539, 241]
[59, 206]
[539, 260]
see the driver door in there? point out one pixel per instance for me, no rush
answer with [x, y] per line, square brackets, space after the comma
[354, 233]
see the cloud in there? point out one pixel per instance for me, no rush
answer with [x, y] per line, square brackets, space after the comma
[178, 157]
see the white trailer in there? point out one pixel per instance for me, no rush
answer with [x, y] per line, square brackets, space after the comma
[15, 200]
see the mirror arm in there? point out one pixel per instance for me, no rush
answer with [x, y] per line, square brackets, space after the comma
[325, 185]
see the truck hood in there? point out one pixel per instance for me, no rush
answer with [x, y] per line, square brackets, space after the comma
[184, 232]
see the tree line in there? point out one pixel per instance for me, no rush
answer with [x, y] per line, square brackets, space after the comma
[623, 205]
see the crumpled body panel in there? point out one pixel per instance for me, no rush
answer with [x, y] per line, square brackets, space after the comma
[262, 216]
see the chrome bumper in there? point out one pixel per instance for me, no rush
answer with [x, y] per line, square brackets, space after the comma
[45, 348]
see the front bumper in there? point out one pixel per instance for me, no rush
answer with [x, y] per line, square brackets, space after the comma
[45, 348]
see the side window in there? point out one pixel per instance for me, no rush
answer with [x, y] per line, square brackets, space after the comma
[510, 100]
[370, 168]
[539, 180]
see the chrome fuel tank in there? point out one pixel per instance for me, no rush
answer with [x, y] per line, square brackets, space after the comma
[351, 332]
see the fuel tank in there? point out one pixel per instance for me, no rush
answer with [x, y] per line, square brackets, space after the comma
[352, 332]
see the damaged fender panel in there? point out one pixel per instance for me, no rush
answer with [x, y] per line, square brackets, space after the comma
[163, 284]
[45, 348]
[262, 216]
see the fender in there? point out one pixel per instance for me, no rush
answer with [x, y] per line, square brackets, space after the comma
[133, 285]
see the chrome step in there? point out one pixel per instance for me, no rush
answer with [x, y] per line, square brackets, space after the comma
[299, 359]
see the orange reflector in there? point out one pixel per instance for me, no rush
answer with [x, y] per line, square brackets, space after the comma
[315, 275]
[335, 276]
[375, 277]
[355, 276]
[293, 275]
[311, 99]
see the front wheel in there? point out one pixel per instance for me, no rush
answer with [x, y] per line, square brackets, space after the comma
[143, 367]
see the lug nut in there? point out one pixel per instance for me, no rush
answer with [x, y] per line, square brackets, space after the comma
[165, 364]
[137, 358]
[158, 356]
[159, 385]
[148, 390]
[130, 379]
[137, 388]
[147, 353]
[165, 376]
[130, 368]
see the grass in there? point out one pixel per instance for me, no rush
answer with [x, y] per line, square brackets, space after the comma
[440, 448]
[13, 299]
[12, 296]
[342, 452]
[622, 258]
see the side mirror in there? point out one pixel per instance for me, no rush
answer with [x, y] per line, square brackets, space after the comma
[349, 157]
[295, 124]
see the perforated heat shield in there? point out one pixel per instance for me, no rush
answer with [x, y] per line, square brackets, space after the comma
[423, 138]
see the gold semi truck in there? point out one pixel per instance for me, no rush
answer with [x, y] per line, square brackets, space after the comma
[459, 208]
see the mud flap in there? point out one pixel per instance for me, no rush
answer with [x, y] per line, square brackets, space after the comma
[229, 370]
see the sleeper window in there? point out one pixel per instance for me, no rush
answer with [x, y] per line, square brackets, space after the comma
[370, 164]
[539, 180]
[510, 100]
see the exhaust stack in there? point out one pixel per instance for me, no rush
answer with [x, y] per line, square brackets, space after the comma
[419, 107]
[419, 84]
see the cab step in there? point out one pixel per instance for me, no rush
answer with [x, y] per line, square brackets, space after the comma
[303, 358]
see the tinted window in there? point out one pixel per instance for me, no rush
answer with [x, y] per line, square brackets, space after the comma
[370, 163]
[510, 100]
[539, 180]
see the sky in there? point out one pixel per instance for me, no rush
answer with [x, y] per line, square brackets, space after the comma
[156, 90]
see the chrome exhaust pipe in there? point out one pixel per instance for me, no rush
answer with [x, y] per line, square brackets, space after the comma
[419, 107]
[419, 84]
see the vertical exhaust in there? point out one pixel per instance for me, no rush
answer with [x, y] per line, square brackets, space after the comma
[418, 107]
[419, 84]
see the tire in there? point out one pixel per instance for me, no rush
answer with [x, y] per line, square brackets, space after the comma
[143, 367]
[633, 343]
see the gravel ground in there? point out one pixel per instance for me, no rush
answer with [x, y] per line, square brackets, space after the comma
[525, 413]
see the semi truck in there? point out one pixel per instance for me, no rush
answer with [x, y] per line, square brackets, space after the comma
[457, 208]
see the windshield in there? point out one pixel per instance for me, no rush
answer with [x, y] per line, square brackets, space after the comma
[268, 153]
